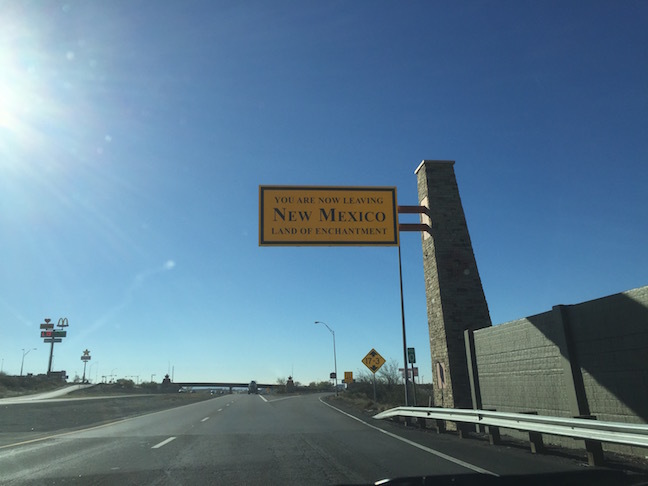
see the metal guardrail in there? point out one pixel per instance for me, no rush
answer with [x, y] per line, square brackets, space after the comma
[578, 428]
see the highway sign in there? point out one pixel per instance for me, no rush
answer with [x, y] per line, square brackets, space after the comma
[409, 372]
[53, 340]
[411, 356]
[373, 360]
[327, 216]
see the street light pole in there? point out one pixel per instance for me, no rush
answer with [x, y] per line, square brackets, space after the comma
[334, 355]
[23, 358]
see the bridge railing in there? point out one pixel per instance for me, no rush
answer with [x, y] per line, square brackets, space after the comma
[587, 428]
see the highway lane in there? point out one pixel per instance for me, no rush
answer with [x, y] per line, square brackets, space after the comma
[40, 418]
[250, 439]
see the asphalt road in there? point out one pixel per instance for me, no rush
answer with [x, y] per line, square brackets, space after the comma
[37, 419]
[251, 439]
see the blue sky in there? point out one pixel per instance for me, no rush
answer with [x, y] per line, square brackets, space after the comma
[134, 136]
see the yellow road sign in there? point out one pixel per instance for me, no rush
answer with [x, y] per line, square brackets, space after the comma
[373, 360]
[327, 216]
[348, 377]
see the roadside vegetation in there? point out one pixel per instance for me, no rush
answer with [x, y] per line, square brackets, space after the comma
[390, 391]
[13, 386]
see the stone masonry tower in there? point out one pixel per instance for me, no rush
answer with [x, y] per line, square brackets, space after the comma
[455, 297]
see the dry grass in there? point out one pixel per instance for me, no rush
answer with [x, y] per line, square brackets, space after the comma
[13, 386]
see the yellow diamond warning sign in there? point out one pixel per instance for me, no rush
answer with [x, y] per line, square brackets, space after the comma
[373, 360]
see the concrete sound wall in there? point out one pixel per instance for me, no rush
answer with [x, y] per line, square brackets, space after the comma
[519, 367]
[584, 359]
[611, 344]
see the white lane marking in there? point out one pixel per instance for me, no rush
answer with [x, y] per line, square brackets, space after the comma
[94, 427]
[284, 398]
[418, 446]
[205, 419]
[265, 399]
[163, 443]
[227, 404]
[220, 409]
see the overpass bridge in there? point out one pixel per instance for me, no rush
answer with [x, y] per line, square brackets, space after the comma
[219, 384]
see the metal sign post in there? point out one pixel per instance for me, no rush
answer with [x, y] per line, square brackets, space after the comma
[411, 357]
[374, 386]
[422, 210]
[400, 273]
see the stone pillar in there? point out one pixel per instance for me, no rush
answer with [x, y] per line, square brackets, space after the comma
[455, 297]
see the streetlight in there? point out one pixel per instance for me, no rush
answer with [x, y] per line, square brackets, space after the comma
[334, 355]
[23, 358]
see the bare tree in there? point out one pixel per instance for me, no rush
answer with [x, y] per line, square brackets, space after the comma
[389, 374]
[364, 376]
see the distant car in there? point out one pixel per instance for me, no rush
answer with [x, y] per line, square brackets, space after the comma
[253, 388]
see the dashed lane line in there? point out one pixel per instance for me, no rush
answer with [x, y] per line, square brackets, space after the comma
[163, 443]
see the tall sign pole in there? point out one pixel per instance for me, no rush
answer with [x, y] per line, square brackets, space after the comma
[408, 227]
[400, 273]
[85, 358]
[48, 326]
[51, 336]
